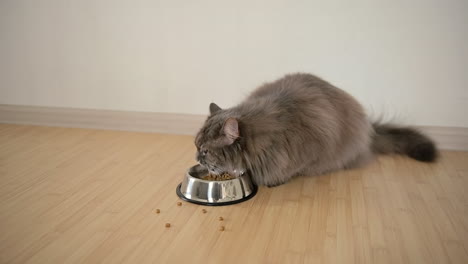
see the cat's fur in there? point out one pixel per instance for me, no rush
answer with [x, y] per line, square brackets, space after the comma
[299, 125]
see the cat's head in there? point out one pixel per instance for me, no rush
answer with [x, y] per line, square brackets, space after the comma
[218, 143]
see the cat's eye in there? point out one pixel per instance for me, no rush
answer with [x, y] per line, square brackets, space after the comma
[204, 152]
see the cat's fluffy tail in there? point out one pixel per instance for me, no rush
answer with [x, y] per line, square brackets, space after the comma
[403, 140]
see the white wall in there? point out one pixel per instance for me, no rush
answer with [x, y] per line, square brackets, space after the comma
[407, 58]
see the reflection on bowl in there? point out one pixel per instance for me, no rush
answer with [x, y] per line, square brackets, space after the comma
[215, 193]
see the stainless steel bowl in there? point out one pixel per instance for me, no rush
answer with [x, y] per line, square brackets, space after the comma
[215, 193]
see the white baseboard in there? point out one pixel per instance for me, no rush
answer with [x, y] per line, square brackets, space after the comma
[183, 124]
[450, 138]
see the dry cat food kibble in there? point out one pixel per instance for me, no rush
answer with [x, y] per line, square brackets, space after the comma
[213, 177]
[158, 211]
[168, 225]
[179, 203]
[221, 218]
[221, 228]
[204, 211]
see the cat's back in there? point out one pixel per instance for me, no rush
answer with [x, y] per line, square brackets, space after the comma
[298, 86]
[298, 91]
[306, 99]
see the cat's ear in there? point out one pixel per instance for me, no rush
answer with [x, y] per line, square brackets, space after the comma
[214, 108]
[231, 130]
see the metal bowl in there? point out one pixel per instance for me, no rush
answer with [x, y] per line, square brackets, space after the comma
[215, 193]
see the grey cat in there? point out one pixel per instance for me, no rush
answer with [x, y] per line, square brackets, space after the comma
[299, 125]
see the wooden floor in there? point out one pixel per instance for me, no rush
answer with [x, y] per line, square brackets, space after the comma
[89, 196]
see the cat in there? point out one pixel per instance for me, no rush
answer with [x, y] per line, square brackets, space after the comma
[299, 125]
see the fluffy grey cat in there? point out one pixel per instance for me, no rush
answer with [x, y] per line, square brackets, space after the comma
[299, 125]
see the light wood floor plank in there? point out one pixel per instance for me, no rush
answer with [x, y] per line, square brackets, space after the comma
[72, 195]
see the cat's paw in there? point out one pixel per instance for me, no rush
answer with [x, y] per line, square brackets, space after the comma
[273, 185]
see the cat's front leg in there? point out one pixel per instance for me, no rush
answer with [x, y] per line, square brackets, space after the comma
[270, 178]
[271, 182]
[274, 184]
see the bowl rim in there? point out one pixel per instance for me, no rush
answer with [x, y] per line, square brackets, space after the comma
[188, 175]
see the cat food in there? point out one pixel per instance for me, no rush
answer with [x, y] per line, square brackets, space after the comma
[168, 225]
[179, 203]
[222, 177]
[204, 211]
[221, 228]
[221, 218]
[158, 211]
